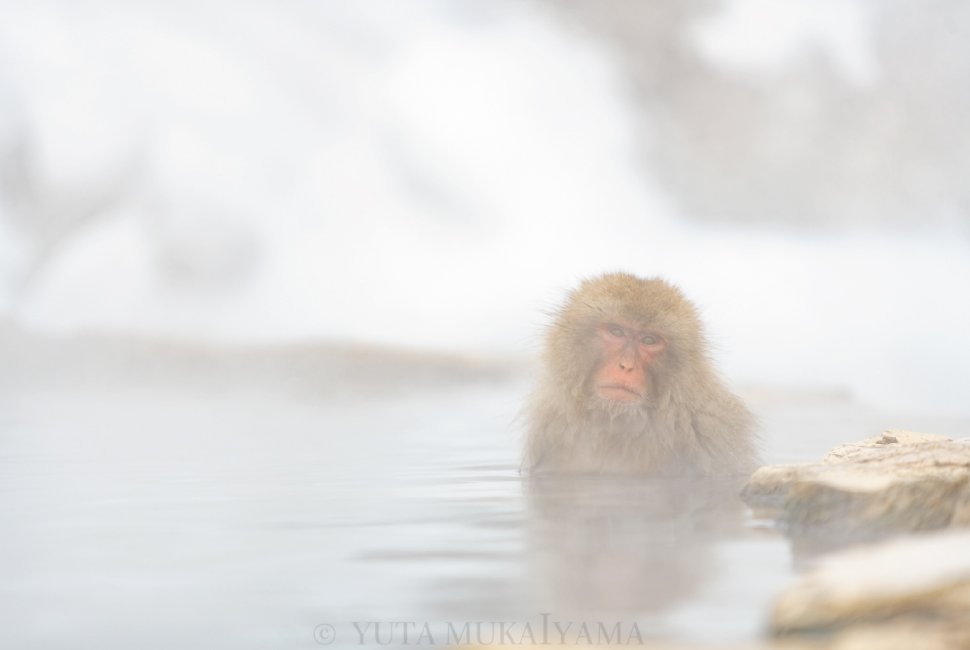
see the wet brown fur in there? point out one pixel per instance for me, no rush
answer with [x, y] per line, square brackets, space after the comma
[688, 423]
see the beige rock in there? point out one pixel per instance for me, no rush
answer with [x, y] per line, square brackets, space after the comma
[914, 582]
[899, 481]
[872, 447]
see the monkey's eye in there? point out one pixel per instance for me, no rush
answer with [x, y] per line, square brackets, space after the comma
[616, 331]
[649, 339]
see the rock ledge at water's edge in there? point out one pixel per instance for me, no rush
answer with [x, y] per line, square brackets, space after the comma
[900, 481]
[911, 592]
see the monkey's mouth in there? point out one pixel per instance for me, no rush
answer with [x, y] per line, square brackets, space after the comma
[626, 393]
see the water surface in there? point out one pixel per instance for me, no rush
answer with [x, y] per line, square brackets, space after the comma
[160, 518]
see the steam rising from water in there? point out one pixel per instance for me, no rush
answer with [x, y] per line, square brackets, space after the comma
[429, 175]
[236, 214]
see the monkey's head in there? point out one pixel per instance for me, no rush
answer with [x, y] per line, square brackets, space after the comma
[620, 342]
[627, 386]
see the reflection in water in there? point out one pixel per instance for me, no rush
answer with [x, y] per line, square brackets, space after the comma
[814, 540]
[625, 544]
[240, 499]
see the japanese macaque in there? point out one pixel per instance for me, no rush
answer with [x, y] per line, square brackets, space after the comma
[626, 387]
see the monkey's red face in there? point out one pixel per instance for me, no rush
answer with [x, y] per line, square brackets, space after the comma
[628, 353]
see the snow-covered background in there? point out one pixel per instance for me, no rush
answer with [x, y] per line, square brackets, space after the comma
[434, 175]
[202, 203]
